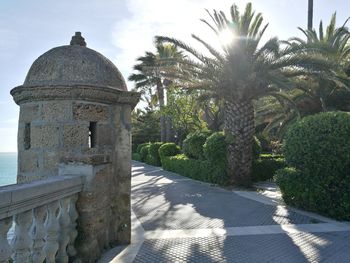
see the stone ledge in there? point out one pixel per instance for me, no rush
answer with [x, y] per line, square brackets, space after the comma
[18, 198]
[106, 95]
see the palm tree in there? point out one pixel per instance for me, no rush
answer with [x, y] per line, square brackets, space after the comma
[332, 45]
[150, 73]
[239, 72]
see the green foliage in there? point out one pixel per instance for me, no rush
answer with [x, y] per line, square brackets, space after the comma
[154, 157]
[144, 152]
[257, 149]
[193, 144]
[319, 144]
[185, 112]
[292, 185]
[197, 169]
[215, 148]
[145, 127]
[140, 146]
[168, 149]
[265, 166]
[136, 157]
[318, 150]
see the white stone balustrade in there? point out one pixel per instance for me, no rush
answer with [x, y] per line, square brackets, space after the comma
[38, 220]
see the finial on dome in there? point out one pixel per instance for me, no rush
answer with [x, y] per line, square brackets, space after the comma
[77, 39]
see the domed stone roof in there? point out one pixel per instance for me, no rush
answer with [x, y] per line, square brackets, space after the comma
[74, 64]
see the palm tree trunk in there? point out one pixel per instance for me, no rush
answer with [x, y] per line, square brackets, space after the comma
[160, 92]
[239, 130]
[310, 14]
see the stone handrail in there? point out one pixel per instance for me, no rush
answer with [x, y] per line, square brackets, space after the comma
[38, 220]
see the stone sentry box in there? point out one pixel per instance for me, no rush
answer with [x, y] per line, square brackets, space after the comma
[75, 118]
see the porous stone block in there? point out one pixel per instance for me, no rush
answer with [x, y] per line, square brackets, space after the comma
[104, 135]
[51, 161]
[28, 161]
[75, 136]
[43, 136]
[120, 226]
[29, 112]
[126, 117]
[56, 111]
[90, 112]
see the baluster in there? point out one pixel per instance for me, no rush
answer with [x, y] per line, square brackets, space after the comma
[73, 214]
[5, 248]
[51, 227]
[21, 243]
[38, 234]
[63, 238]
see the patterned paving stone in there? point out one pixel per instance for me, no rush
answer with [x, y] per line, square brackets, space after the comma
[191, 204]
[166, 201]
[301, 247]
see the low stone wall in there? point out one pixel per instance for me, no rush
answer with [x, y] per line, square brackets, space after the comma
[42, 215]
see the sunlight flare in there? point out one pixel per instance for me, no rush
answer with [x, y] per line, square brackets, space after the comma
[226, 36]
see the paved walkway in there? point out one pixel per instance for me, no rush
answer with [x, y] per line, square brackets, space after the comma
[176, 219]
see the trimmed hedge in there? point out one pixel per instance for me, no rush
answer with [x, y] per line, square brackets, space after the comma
[197, 169]
[318, 149]
[292, 185]
[154, 158]
[136, 157]
[144, 152]
[215, 148]
[139, 147]
[193, 145]
[265, 167]
[168, 149]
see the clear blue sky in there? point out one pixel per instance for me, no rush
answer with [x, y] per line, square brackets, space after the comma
[121, 30]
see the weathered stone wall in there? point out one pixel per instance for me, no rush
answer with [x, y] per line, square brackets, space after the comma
[59, 131]
[59, 134]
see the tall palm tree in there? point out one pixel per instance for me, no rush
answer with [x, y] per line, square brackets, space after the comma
[333, 45]
[150, 73]
[239, 72]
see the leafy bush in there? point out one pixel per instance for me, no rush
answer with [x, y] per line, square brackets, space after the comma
[320, 144]
[292, 186]
[214, 148]
[154, 157]
[136, 157]
[318, 149]
[144, 152]
[266, 165]
[196, 169]
[139, 147]
[193, 144]
[168, 149]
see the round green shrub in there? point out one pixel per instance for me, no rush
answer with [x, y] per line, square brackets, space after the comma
[318, 147]
[193, 144]
[154, 154]
[139, 147]
[144, 152]
[168, 149]
[215, 148]
[292, 186]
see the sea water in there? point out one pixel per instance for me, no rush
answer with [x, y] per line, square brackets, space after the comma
[8, 168]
